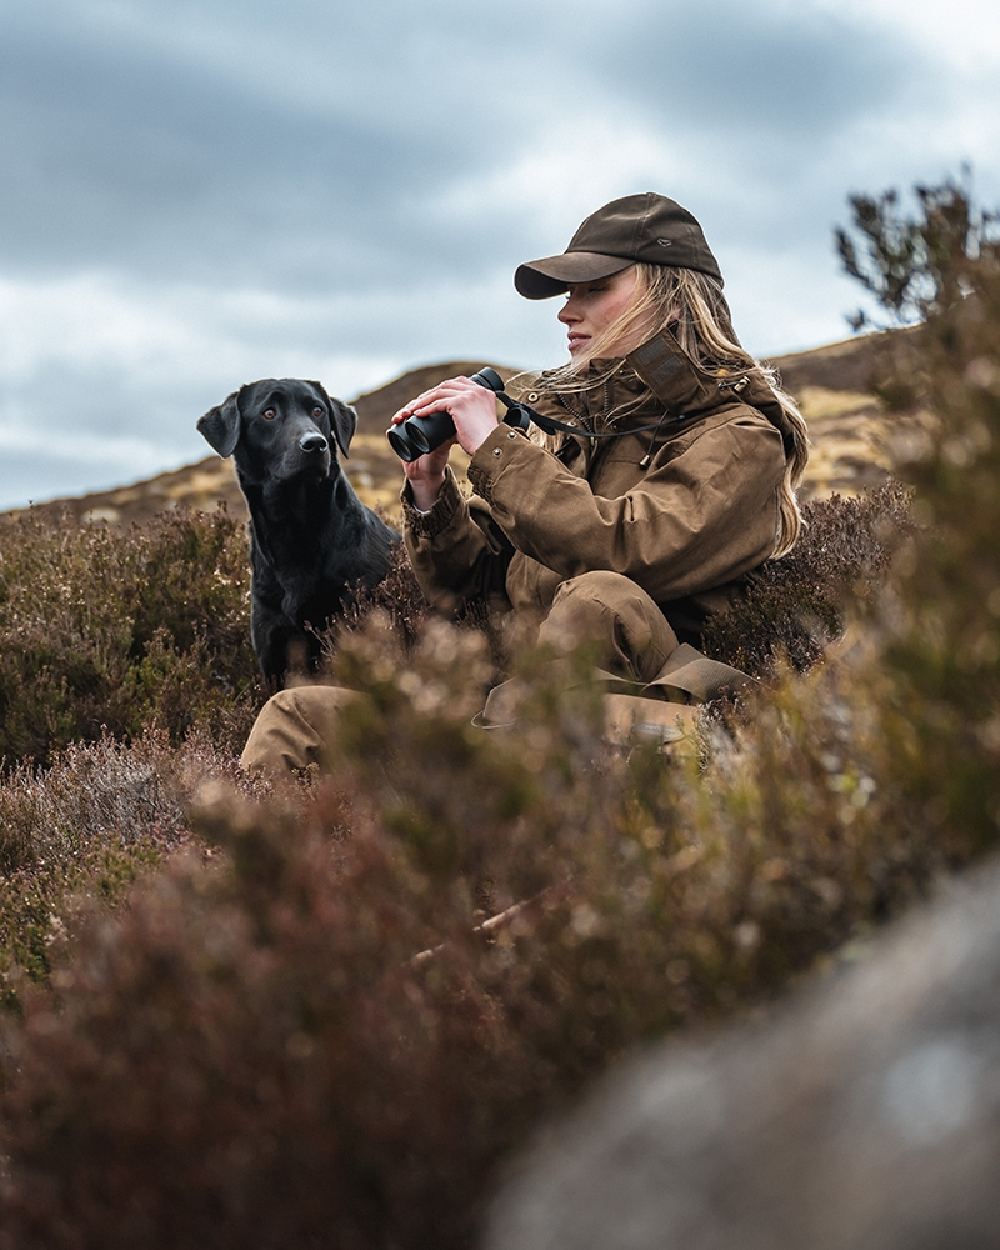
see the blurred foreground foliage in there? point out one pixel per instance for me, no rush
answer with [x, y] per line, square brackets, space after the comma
[297, 1031]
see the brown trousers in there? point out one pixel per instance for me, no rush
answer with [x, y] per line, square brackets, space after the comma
[633, 638]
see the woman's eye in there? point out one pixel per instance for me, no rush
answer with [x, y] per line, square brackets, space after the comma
[269, 414]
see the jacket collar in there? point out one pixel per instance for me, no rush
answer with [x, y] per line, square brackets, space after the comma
[672, 384]
[685, 389]
[675, 388]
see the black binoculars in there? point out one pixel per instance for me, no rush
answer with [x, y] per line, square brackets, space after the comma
[416, 436]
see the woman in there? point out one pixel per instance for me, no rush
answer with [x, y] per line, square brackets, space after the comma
[680, 481]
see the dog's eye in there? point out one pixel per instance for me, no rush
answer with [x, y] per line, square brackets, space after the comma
[318, 411]
[269, 414]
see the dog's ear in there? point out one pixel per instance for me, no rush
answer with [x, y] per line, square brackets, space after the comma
[345, 422]
[343, 419]
[221, 425]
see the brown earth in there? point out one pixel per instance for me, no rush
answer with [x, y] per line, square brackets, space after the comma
[850, 434]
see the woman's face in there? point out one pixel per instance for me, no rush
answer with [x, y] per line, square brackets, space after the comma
[593, 306]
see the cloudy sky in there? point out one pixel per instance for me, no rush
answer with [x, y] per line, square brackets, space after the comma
[202, 192]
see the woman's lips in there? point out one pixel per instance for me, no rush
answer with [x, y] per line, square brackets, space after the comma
[576, 340]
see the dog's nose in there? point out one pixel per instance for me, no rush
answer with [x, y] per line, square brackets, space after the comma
[312, 442]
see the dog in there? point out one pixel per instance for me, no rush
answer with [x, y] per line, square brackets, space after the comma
[312, 540]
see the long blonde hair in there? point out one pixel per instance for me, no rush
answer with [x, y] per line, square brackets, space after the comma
[694, 308]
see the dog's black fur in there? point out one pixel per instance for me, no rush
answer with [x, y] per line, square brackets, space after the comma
[311, 537]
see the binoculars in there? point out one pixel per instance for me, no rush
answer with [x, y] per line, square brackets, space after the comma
[416, 436]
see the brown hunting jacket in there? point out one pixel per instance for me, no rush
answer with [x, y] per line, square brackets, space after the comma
[685, 510]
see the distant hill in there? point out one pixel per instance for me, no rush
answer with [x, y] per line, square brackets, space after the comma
[846, 424]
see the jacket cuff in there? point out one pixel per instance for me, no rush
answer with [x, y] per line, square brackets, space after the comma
[492, 458]
[429, 524]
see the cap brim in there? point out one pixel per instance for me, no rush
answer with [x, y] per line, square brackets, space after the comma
[541, 279]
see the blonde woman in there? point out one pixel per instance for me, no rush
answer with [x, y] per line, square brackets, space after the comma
[676, 479]
[681, 479]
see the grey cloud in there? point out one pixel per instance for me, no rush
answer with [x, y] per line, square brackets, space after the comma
[145, 159]
[313, 149]
[152, 167]
[758, 75]
[126, 414]
[775, 110]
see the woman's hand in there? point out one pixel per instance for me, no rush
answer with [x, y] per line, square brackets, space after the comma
[426, 473]
[473, 410]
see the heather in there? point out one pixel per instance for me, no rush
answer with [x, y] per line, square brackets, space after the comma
[75, 838]
[126, 673]
[327, 1013]
[112, 631]
[795, 607]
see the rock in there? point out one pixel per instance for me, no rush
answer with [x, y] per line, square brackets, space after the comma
[865, 1116]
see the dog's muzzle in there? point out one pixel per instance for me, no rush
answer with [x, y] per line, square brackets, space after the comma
[307, 456]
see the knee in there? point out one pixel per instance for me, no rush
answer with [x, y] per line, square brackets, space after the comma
[280, 704]
[294, 729]
[313, 704]
[601, 588]
[587, 605]
[613, 613]
[304, 707]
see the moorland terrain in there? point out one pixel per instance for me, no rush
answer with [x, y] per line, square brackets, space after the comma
[238, 1011]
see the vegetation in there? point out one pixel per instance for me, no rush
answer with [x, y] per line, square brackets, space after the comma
[795, 607]
[296, 1029]
[109, 631]
[915, 264]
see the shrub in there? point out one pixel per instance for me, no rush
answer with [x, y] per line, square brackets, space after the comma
[85, 830]
[398, 599]
[940, 630]
[107, 630]
[794, 607]
[791, 610]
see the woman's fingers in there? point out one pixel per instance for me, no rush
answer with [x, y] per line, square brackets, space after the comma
[471, 407]
[444, 396]
[436, 397]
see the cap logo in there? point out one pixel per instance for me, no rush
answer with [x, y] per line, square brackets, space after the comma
[665, 242]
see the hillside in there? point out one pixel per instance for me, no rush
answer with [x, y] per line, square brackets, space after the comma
[832, 384]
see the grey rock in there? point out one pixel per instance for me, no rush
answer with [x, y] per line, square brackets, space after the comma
[864, 1116]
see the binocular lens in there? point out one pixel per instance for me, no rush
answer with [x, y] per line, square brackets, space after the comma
[408, 444]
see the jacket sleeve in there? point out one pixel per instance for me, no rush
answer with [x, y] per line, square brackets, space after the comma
[697, 519]
[455, 549]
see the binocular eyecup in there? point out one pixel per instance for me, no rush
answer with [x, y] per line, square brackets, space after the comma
[416, 436]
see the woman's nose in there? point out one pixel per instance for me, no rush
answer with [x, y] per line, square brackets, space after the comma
[568, 312]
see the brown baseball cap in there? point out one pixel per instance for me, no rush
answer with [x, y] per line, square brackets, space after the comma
[646, 227]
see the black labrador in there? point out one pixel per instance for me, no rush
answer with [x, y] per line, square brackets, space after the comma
[311, 538]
